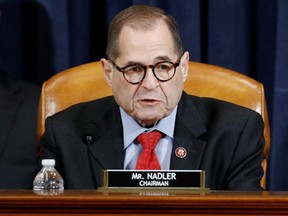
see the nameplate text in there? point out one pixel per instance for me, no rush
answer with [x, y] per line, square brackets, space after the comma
[154, 179]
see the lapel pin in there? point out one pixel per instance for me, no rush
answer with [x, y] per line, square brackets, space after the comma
[180, 152]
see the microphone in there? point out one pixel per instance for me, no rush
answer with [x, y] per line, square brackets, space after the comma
[88, 135]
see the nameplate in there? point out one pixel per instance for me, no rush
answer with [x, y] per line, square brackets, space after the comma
[154, 179]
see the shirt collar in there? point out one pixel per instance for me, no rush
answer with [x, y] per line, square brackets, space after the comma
[131, 129]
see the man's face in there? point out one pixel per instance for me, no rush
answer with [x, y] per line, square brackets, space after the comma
[150, 100]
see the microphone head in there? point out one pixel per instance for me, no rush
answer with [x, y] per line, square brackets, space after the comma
[89, 133]
[88, 139]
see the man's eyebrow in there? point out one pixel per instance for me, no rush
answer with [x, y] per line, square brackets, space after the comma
[163, 58]
[134, 63]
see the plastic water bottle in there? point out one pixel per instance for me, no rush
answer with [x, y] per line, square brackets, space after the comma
[48, 181]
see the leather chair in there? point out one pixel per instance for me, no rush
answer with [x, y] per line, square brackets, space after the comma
[86, 82]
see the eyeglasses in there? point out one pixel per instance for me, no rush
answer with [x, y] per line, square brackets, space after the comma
[134, 74]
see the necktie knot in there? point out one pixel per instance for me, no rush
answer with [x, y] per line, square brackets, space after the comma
[149, 140]
[148, 158]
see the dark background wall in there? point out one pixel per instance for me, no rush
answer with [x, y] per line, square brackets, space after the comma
[39, 38]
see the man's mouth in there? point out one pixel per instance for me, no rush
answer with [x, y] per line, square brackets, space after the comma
[149, 101]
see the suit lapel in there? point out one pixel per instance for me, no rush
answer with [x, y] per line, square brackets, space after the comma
[108, 147]
[188, 130]
[107, 150]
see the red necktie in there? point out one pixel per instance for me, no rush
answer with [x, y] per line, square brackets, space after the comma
[148, 159]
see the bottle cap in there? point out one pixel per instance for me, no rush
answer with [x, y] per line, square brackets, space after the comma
[48, 162]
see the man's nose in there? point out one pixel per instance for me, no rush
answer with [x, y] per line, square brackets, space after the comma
[150, 81]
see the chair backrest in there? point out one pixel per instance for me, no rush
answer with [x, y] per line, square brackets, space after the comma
[86, 82]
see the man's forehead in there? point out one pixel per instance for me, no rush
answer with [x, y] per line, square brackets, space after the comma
[160, 35]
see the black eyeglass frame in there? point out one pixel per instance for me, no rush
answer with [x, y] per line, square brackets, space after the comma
[145, 68]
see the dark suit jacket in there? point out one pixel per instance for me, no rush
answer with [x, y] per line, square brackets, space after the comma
[223, 139]
[18, 122]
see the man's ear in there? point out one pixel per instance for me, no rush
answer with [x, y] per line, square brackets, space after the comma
[184, 64]
[107, 71]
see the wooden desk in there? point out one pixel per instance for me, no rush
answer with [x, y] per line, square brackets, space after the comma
[144, 202]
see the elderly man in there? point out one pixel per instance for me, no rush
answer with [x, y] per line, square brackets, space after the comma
[146, 69]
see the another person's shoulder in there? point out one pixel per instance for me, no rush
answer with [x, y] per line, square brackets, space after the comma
[28, 86]
[19, 86]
